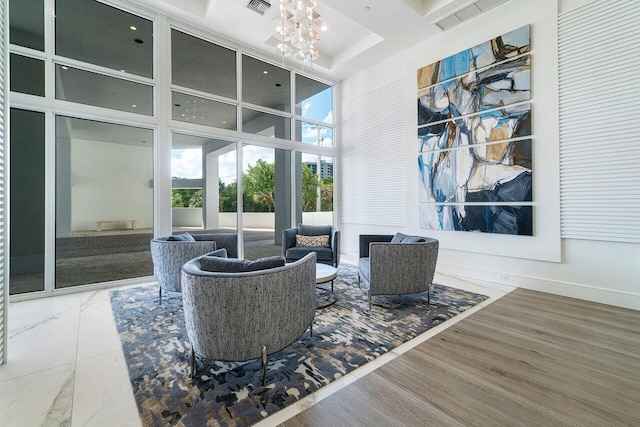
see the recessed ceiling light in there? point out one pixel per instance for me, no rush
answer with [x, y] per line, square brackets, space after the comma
[265, 72]
[224, 123]
[323, 28]
[64, 67]
[134, 105]
[278, 85]
[133, 28]
[138, 41]
[177, 105]
[123, 71]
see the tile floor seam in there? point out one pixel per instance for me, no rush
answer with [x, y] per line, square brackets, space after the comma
[36, 372]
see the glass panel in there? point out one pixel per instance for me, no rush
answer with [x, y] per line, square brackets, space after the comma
[265, 124]
[309, 133]
[204, 185]
[265, 84]
[266, 187]
[27, 207]
[89, 88]
[193, 109]
[314, 188]
[26, 23]
[314, 100]
[27, 75]
[201, 65]
[93, 32]
[104, 202]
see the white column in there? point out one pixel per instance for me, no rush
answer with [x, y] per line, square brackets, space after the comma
[211, 174]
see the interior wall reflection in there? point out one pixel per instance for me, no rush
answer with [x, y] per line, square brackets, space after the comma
[265, 124]
[104, 201]
[27, 75]
[27, 207]
[26, 23]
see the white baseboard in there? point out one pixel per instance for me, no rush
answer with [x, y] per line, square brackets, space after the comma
[569, 289]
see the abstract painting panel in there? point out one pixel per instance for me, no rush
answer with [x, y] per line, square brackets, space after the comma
[501, 219]
[497, 86]
[488, 173]
[496, 50]
[495, 125]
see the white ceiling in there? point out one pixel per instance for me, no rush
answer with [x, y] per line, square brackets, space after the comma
[359, 33]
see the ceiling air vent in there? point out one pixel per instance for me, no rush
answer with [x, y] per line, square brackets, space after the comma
[260, 6]
[467, 12]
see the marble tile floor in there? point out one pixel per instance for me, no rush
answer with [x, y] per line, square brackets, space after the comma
[66, 367]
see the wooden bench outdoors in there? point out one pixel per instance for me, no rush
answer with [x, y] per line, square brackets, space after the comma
[134, 223]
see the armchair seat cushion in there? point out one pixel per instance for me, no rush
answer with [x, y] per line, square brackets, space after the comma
[298, 252]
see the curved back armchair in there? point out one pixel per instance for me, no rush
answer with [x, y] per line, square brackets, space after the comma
[247, 315]
[169, 255]
[326, 255]
[400, 264]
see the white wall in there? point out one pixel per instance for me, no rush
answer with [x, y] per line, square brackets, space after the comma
[110, 181]
[186, 217]
[598, 271]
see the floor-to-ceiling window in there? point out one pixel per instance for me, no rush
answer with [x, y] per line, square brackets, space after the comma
[131, 138]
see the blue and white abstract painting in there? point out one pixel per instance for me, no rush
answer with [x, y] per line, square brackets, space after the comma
[474, 139]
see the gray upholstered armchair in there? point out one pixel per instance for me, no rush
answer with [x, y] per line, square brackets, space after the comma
[399, 264]
[170, 253]
[328, 254]
[246, 315]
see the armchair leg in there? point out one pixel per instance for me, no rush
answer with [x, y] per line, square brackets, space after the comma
[311, 328]
[192, 362]
[264, 365]
[429, 295]
[358, 279]
[369, 300]
[159, 293]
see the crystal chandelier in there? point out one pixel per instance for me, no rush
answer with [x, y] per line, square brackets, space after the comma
[298, 30]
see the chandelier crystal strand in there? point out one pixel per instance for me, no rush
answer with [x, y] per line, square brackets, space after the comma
[298, 30]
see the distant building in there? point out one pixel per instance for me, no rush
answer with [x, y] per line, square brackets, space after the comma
[326, 168]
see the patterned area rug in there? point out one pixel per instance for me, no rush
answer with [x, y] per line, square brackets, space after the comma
[345, 336]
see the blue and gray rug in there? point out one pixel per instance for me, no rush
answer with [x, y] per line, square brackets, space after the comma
[345, 336]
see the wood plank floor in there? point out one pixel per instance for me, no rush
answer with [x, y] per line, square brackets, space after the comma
[529, 358]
